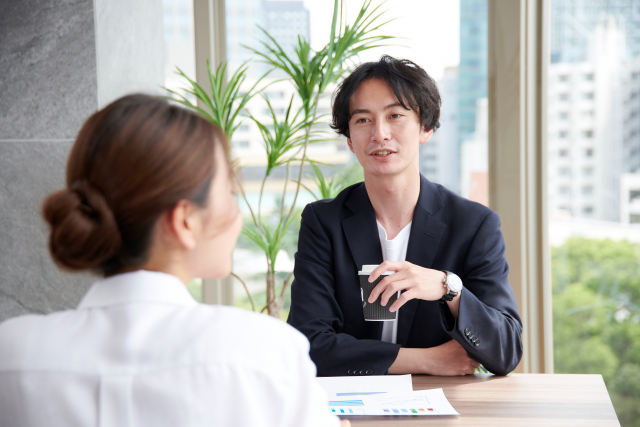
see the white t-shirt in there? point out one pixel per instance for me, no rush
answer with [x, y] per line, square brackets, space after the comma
[140, 351]
[393, 250]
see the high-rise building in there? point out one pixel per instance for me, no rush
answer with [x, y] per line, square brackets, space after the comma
[283, 20]
[573, 23]
[439, 158]
[472, 78]
[593, 127]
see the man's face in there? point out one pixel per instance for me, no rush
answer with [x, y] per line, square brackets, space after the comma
[384, 136]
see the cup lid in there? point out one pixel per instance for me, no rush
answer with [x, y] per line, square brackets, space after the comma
[368, 268]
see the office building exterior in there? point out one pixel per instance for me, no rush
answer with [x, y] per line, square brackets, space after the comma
[593, 127]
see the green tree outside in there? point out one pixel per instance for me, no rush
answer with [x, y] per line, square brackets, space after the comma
[596, 317]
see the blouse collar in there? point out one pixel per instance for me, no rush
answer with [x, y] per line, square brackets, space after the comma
[137, 286]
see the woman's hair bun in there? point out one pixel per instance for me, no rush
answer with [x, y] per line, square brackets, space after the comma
[84, 232]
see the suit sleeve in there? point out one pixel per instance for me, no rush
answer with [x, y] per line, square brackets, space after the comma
[488, 325]
[316, 313]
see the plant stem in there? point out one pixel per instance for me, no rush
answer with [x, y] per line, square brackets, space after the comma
[285, 284]
[244, 196]
[260, 200]
[304, 154]
[253, 307]
[284, 192]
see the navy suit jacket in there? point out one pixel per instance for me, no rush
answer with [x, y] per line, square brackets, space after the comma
[338, 236]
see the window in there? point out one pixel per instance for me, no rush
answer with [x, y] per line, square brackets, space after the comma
[565, 191]
[563, 78]
[564, 115]
[563, 97]
[595, 294]
[564, 172]
[243, 128]
[563, 153]
[563, 134]
[243, 144]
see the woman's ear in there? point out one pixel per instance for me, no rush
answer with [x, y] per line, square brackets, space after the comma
[182, 223]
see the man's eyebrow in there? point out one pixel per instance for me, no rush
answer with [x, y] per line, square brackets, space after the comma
[395, 104]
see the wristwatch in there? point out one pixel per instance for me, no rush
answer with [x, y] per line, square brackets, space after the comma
[453, 285]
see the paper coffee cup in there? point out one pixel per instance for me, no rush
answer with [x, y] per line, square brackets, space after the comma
[374, 311]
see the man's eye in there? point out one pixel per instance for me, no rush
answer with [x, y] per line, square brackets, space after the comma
[362, 120]
[395, 116]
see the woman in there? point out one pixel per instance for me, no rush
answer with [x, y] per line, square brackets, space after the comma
[149, 205]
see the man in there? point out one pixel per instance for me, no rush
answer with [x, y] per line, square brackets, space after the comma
[456, 309]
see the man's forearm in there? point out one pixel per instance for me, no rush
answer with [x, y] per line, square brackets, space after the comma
[410, 361]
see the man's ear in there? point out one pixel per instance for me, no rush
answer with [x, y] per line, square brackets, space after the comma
[350, 144]
[182, 224]
[425, 136]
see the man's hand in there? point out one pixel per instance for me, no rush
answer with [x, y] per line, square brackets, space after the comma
[419, 282]
[448, 359]
[345, 423]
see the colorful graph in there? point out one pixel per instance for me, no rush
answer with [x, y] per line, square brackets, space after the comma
[407, 411]
[346, 403]
[347, 411]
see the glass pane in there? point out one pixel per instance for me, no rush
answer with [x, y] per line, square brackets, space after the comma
[179, 44]
[452, 48]
[594, 184]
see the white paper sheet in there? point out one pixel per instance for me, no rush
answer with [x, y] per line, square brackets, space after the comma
[383, 395]
[348, 391]
[422, 402]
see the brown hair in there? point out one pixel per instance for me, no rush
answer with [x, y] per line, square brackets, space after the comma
[131, 162]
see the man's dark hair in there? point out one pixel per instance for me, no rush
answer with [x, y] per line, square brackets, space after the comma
[413, 87]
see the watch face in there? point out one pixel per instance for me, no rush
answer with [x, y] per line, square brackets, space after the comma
[454, 282]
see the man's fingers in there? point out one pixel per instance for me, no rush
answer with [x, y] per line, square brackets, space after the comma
[385, 266]
[475, 364]
[383, 285]
[404, 297]
[391, 290]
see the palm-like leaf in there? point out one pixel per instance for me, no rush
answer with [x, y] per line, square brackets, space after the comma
[225, 103]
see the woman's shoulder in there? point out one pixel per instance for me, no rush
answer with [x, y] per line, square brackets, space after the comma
[19, 335]
[260, 329]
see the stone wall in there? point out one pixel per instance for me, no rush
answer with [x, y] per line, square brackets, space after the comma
[59, 62]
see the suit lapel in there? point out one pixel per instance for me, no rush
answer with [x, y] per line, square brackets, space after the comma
[424, 241]
[361, 233]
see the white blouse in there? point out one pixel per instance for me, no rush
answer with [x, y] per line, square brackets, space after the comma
[140, 351]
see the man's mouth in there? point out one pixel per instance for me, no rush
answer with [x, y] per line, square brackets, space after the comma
[382, 153]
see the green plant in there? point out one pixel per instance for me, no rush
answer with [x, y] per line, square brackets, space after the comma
[286, 141]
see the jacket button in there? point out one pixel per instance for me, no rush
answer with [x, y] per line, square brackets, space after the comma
[476, 343]
[466, 331]
[362, 372]
[369, 372]
[349, 372]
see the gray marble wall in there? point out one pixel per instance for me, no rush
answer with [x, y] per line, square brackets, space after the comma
[59, 61]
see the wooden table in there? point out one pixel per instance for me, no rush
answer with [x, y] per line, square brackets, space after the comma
[514, 400]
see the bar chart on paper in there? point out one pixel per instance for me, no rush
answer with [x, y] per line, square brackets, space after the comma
[424, 402]
[389, 395]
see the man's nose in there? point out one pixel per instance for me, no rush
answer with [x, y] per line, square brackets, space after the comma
[380, 131]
